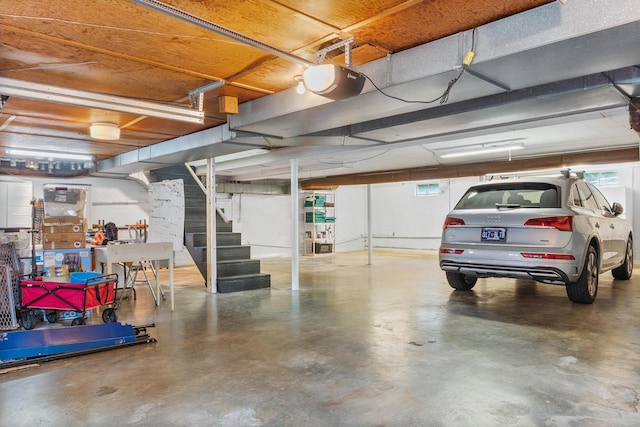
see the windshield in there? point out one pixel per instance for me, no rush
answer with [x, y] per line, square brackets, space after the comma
[513, 195]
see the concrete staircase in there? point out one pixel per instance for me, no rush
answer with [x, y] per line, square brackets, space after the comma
[236, 270]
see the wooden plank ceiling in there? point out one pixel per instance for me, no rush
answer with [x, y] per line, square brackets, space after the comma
[120, 47]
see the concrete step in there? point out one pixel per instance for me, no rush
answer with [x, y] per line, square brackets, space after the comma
[230, 253]
[237, 268]
[222, 239]
[244, 282]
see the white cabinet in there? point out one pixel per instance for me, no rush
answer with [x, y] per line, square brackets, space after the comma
[15, 204]
[319, 223]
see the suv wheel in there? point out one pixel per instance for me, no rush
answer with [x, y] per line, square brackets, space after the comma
[626, 269]
[585, 289]
[460, 281]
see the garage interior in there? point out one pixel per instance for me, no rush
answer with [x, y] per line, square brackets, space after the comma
[361, 342]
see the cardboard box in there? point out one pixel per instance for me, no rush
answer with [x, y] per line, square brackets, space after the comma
[75, 259]
[60, 201]
[61, 279]
[58, 221]
[53, 229]
[63, 240]
[57, 271]
[323, 248]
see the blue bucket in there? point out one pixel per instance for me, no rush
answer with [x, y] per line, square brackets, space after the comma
[83, 276]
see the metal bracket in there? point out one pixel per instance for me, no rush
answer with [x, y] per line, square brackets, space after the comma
[199, 93]
[320, 55]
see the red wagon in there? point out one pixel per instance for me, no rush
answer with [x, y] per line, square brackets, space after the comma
[79, 297]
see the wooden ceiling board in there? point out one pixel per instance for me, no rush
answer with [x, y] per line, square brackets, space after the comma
[173, 47]
[87, 70]
[261, 20]
[342, 14]
[366, 53]
[432, 20]
[279, 72]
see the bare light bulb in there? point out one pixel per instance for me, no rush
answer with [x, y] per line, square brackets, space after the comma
[301, 89]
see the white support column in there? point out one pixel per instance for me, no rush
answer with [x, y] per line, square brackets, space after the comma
[369, 225]
[212, 265]
[295, 238]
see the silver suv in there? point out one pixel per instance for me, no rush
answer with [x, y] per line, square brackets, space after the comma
[557, 230]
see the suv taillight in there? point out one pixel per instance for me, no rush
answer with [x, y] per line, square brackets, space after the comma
[563, 223]
[450, 221]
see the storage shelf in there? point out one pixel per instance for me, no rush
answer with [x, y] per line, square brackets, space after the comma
[318, 223]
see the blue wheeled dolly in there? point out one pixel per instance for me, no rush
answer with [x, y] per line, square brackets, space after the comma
[27, 347]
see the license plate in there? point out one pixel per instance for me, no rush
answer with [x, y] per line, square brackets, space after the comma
[494, 234]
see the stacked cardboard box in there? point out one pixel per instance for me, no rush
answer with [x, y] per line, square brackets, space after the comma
[64, 232]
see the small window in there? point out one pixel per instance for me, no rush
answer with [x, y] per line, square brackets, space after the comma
[602, 178]
[429, 189]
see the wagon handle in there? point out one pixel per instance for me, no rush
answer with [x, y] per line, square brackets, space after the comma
[98, 297]
[99, 280]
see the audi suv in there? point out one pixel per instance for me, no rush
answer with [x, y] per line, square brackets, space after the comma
[556, 230]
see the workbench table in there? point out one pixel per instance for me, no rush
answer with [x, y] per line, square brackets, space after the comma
[137, 253]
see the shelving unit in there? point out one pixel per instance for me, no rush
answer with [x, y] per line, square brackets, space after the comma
[319, 222]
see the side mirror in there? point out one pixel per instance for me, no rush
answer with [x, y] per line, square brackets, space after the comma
[617, 208]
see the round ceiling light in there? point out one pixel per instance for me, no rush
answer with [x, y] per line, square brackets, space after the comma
[106, 131]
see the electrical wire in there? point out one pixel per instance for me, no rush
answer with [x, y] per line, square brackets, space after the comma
[468, 59]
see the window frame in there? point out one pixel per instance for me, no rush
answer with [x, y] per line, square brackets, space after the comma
[429, 185]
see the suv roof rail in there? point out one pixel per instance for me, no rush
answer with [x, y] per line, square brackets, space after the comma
[566, 172]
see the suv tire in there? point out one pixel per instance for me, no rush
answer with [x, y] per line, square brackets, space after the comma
[626, 269]
[461, 282]
[584, 290]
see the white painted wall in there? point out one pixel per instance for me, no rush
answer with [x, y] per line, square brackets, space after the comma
[122, 201]
[351, 218]
[400, 218]
[264, 223]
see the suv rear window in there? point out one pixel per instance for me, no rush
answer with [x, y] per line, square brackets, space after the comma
[525, 195]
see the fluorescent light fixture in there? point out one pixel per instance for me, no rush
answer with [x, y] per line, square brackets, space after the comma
[61, 95]
[240, 155]
[332, 81]
[49, 154]
[105, 131]
[483, 150]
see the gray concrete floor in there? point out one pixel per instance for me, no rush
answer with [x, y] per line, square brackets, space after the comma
[383, 345]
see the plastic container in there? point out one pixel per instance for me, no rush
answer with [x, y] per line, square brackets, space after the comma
[83, 276]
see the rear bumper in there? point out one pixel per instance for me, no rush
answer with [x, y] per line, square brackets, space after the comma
[551, 275]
